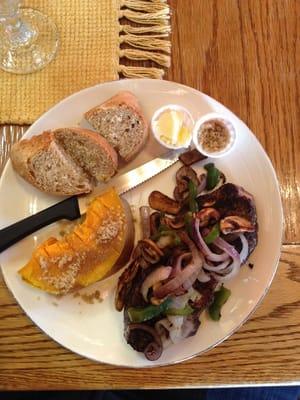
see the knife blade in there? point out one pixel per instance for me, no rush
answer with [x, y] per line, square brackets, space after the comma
[131, 179]
[73, 207]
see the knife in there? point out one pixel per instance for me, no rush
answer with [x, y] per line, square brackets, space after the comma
[73, 207]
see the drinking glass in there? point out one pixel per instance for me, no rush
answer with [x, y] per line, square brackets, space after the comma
[28, 38]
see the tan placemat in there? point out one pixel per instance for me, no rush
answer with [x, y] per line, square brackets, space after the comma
[92, 43]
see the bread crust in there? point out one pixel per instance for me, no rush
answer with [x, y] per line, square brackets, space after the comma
[128, 99]
[23, 152]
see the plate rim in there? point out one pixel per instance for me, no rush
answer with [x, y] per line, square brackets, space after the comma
[280, 214]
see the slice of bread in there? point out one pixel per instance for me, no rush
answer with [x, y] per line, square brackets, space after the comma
[90, 151]
[88, 253]
[44, 164]
[121, 121]
[65, 161]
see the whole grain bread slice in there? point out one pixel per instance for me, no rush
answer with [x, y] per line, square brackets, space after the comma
[90, 151]
[65, 161]
[121, 121]
[44, 164]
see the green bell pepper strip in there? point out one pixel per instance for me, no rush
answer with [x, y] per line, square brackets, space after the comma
[213, 176]
[137, 314]
[213, 234]
[187, 310]
[221, 296]
[193, 205]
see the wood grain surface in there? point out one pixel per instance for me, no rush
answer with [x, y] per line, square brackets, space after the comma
[246, 55]
[265, 349]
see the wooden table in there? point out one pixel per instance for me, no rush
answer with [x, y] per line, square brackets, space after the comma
[246, 55]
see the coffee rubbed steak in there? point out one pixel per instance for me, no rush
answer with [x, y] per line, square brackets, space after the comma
[121, 122]
[233, 200]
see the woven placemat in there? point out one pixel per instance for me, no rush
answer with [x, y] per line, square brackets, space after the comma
[92, 43]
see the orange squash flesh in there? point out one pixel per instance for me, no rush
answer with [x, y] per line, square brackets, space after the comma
[85, 255]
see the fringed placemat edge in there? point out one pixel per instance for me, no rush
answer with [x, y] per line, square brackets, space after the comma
[148, 40]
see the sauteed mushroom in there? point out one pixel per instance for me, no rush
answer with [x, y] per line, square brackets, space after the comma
[180, 196]
[161, 202]
[144, 338]
[235, 224]
[150, 252]
[173, 223]
[125, 284]
[185, 174]
[207, 216]
[154, 222]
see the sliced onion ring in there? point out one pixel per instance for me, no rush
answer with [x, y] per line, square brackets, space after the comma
[178, 263]
[158, 275]
[245, 248]
[145, 221]
[189, 273]
[216, 268]
[228, 248]
[233, 269]
[202, 184]
[177, 281]
[203, 246]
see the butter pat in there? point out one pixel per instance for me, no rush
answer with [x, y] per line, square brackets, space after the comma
[172, 126]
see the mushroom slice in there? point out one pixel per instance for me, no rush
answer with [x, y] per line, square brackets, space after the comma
[154, 222]
[174, 223]
[235, 224]
[180, 196]
[207, 216]
[183, 176]
[186, 174]
[144, 338]
[161, 202]
[125, 284]
[150, 252]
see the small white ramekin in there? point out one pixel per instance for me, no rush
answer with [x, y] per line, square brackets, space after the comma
[228, 124]
[188, 121]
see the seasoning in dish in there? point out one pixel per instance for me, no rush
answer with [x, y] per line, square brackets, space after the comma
[213, 136]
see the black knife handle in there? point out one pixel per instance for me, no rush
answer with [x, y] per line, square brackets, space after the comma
[67, 209]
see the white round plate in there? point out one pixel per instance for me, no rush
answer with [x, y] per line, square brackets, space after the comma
[96, 330]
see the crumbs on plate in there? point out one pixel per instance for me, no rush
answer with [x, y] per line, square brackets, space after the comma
[89, 298]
